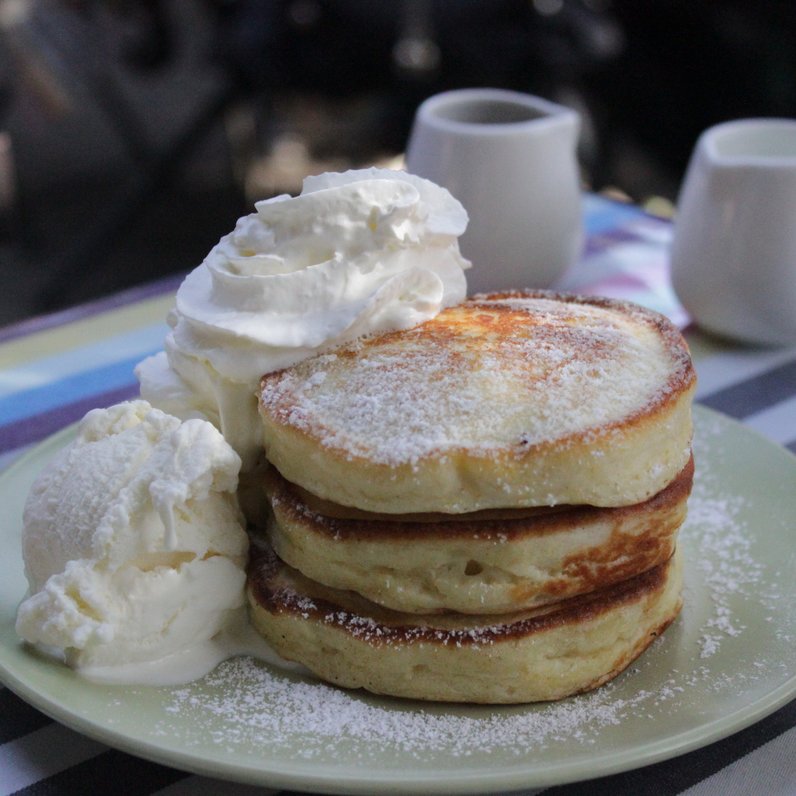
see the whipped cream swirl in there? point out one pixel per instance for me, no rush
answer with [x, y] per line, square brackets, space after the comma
[357, 253]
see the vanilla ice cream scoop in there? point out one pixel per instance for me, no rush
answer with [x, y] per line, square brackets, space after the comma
[356, 253]
[133, 540]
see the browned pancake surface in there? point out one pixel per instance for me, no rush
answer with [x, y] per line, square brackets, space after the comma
[476, 563]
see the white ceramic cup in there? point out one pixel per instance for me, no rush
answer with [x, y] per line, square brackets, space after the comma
[734, 250]
[510, 159]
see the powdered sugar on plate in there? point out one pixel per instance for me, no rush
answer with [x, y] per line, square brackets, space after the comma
[255, 705]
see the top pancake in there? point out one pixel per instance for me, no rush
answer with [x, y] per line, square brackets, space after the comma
[507, 400]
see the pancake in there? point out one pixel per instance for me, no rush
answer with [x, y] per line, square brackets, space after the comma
[540, 654]
[508, 400]
[486, 562]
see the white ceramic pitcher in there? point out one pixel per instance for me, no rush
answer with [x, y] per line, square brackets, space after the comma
[734, 249]
[510, 159]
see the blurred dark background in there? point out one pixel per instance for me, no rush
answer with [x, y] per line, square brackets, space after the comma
[133, 133]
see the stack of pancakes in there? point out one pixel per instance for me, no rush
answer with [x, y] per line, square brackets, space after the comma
[483, 508]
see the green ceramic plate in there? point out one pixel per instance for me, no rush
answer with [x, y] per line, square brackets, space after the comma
[727, 662]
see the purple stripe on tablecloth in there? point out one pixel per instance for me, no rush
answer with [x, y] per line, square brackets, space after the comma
[41, 323]
[601, 241]
[37, 427]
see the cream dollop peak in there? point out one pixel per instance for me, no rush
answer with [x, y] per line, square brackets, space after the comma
[356, 253]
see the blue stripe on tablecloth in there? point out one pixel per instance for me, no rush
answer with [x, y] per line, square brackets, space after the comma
[37, 427]
[46, 371]
[42, 322]
[601, 214]
[46, 398]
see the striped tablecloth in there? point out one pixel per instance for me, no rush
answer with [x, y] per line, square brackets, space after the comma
[55, 368]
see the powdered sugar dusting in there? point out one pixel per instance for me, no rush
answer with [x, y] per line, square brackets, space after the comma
[725, 561]
[254, 705]
[729, 570]
[539, 364]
